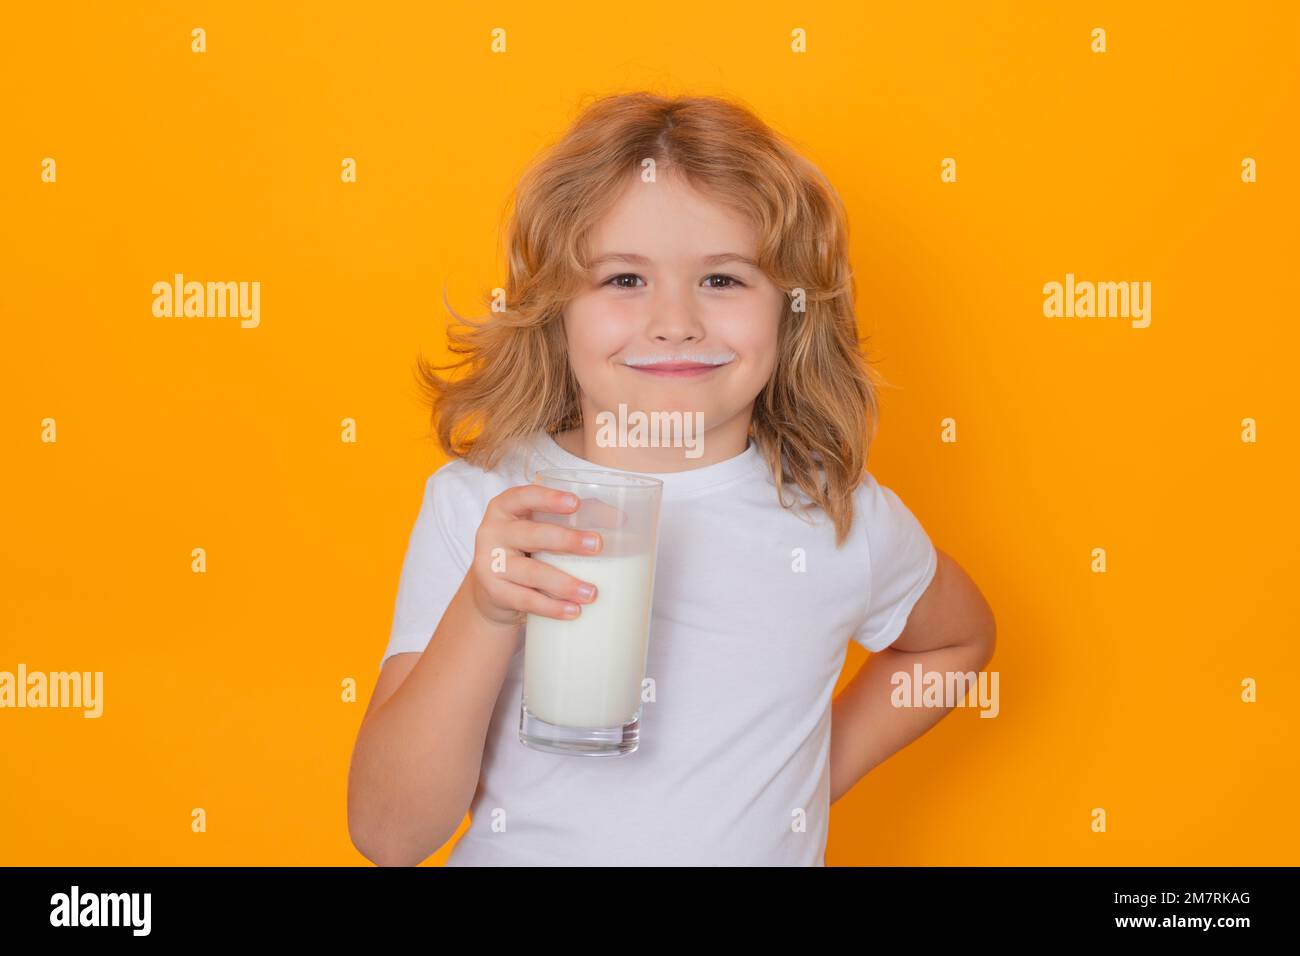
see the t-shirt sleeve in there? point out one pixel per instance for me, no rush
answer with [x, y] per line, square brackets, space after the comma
[903, 562]
[437, 558]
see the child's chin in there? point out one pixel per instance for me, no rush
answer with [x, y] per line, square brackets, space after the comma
[659, 401]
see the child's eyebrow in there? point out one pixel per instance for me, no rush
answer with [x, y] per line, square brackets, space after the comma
[729, 257]
[712, 260]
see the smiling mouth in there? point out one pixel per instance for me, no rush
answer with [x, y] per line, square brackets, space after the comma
[676, 369]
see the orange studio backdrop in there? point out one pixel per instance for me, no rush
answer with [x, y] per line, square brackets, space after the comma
[209, 513]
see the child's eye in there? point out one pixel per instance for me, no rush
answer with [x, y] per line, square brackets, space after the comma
[624, 275]
[617, 281]
[731, 279]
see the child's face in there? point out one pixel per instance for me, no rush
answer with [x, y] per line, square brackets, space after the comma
[673, 305]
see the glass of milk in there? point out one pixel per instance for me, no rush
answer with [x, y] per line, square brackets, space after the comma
[582, 676]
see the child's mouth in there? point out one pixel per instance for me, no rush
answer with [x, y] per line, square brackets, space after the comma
[677, 369]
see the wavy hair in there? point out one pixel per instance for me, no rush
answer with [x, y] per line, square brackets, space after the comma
[816, 417]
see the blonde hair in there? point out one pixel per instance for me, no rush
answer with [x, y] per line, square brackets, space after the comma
[814, 420]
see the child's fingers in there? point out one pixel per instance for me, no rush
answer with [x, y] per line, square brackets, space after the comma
[594, 512]
[528, 535]
[522, 500]
[520, 598]
[555, 583]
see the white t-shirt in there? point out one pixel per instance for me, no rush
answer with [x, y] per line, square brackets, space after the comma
[732, 767]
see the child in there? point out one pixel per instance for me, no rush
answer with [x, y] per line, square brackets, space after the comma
[666, 255]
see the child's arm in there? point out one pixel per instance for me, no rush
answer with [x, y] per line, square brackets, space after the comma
[416, 761]
[418, 755]
[950, 628]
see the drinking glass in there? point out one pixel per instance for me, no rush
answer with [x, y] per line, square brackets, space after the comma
[583, 676]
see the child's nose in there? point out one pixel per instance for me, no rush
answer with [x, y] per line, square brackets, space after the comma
[674, 318]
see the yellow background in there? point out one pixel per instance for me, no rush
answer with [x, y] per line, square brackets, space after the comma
[222, 690]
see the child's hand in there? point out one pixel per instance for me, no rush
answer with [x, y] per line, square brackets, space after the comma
[526, 585]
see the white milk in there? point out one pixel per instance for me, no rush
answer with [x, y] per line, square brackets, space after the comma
[587, 671]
